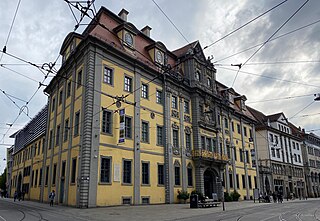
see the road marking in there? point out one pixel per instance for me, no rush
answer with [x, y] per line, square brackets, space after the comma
[3, 218]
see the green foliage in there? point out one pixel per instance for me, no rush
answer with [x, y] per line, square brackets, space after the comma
[235, 195]
[3, 178]
[227, 197]
[183, 195]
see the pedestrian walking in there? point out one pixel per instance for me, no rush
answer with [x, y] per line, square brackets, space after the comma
[15, 195]
[51, 197]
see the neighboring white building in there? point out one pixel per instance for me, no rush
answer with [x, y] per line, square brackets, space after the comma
[280, 155]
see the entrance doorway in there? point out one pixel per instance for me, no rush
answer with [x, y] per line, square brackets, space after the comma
[210, 183]
[61, 190]
[19, 184]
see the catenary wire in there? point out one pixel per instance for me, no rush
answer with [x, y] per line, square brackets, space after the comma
[274, 78]
[274, 63]
[281, 98]
[235, 78]
[13, 20]
[171, 21]
[242, 26]
[1, 65]
[275, 38]
[302, 110]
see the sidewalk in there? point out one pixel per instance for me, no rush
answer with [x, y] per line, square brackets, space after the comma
[143, 212]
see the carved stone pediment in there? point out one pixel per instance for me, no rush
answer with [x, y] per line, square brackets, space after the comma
[175, 114]
[175, 126]
[187, 130]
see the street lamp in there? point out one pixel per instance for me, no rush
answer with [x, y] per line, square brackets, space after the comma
[317, 98]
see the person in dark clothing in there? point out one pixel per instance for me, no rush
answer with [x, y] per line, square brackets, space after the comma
[51, 197]
[280, 199]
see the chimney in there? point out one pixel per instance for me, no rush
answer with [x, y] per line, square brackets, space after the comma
[123, 14]
[146, 30]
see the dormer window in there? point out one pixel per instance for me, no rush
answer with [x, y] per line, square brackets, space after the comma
[198, 76]
[159, 57]
[128, 39]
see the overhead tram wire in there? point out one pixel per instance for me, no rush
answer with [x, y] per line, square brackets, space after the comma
[12, 23]
[242, 26]
[305, 115]
[278, 99]
[172, 21]
[268, 40]
[122, 41]
[49, 70]
[273, 78]
[275, 38]
[1, 65]
[302, 110]
[274, 63]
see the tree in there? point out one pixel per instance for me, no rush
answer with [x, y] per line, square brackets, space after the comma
[3, 180]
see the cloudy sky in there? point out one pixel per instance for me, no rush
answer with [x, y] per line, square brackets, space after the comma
[281, 77]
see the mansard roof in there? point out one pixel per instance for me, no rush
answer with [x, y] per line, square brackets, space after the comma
[31, 131]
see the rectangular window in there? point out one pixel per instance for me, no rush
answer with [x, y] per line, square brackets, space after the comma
[190, 177]
[54, 174]
[73, 170]
[278, 153]
[69, 89]
[271, 138]
[250, 133]
[79, 79]
[60, 97]
[127, 171]
[144, 91]
[226, 123]
[63, 169]
[36, 179]
[159, 135]
[231, 180]
[241, 155]
[273, 153]
[51, 139]
[76, 124]
[159, 97]
[237, 180]
[247, 160]
[58, 135]
[145, 173]
[232, 125]
[208, 143]
[250, 183]
[186, 107]
[174, 102]
[177, 176]
[66, 130]
[203, 143]
[255, 181]
[160, 174]
[175, 138]
[53, 104]
[145, 132]
[47, 176]
[32, 177]
[108, 76]
[107, 122]
[105, 170]
[243, 181]
[127, 84]
[188, 141]
[40, 177]
[128, 127]
[245, 131]
[238, 128]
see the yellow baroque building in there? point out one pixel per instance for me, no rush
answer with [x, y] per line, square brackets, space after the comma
[131, 122]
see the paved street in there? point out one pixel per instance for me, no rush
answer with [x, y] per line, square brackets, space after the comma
[245, 211]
